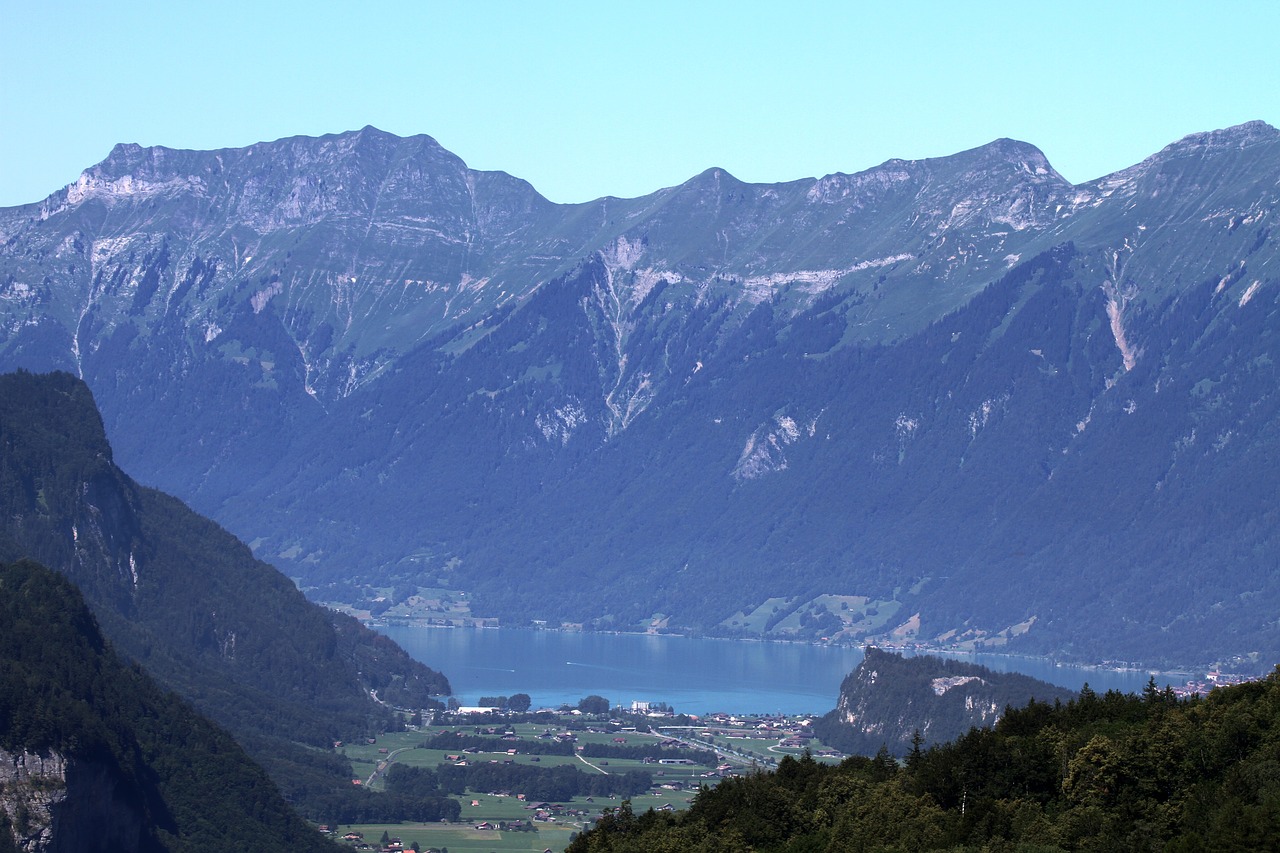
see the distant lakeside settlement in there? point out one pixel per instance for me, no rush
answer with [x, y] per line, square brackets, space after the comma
[1196, 681]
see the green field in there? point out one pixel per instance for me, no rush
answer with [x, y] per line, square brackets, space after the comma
[745, 747]
[463, 837]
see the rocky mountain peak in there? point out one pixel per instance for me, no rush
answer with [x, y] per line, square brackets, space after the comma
[1026, 158]
[131, 171]
[422, 324]
[123, 153]
[1238, 136]
[376, 146]
[1196, 158]
[1009, 158]
[1208, 144]
[714, 179]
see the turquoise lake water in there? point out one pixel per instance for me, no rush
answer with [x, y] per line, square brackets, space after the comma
[694, 676]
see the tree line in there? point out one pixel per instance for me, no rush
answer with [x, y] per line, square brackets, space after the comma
[1110, 772]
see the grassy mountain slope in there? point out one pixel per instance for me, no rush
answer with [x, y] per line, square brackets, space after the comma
[1005, 447]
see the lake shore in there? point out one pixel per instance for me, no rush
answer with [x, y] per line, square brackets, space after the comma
[1188, 673]
[693, 674]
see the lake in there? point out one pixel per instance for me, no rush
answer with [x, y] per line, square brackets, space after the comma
[694, 676]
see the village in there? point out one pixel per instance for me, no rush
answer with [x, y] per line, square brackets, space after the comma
[648, 759]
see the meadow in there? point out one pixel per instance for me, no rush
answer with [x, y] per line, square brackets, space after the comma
[739, 748]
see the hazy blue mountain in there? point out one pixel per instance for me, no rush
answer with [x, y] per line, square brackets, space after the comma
[957, 399]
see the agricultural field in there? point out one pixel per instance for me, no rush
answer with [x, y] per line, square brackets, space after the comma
[454, 837]
[594, 748]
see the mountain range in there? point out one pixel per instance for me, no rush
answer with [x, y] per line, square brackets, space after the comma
[957, 401]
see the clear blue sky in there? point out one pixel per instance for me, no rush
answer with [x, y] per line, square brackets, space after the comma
[622, 98]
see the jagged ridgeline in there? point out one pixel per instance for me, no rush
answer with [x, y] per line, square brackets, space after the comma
[957, 400]
[1104, 773]
[186, 600]
[94, 756]
[889, 699]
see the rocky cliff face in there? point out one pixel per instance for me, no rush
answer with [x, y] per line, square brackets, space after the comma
[364, 246]
[95, 756]
[56, 804]
[376, 364]
[30, 786]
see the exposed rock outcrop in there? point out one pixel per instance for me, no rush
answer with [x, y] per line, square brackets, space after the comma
[54, 803]
[889, 698]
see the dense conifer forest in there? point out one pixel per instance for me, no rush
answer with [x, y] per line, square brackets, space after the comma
[1101, 773]
[899, 702]
[145, 771]
[188, 602]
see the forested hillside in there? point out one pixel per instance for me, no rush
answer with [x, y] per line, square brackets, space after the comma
[186, 600]
[94, 756]
[1100, 773]
[903, 703]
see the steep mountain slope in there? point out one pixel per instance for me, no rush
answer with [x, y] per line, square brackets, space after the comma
[94, 756]
[181, 596]
[961, 398]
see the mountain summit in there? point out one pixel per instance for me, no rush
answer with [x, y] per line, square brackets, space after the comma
[975, 404]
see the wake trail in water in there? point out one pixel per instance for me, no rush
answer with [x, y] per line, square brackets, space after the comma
[595, 666]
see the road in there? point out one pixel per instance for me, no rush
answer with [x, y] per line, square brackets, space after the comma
[589, 764]
[746, 759]
[385, 763]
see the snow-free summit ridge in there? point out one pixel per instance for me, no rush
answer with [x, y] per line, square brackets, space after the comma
[998, 408]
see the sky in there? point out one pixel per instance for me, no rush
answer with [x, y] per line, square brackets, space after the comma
[623, 98]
